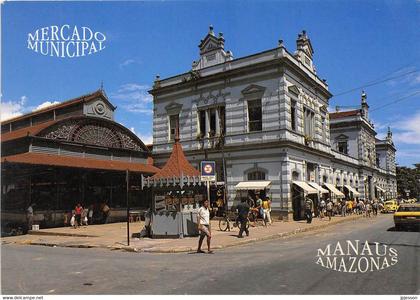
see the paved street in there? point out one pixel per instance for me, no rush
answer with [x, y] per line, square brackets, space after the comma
[283, 266]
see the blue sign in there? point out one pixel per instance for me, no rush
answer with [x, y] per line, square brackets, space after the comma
[208, 170]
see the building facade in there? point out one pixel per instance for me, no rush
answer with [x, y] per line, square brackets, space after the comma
[264, 117]
[69, 153]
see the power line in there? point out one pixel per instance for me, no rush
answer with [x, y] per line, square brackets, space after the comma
[396, 101]
[375, 83]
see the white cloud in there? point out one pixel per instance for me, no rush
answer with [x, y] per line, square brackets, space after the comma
[134, 98]
[408, 75]
[145, 138]
[408, 130]
[11, 109]
[45, 104]
[128, 62]
[409, 153]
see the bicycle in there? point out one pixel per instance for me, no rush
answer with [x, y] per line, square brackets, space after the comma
[254, 217]
[229, 221]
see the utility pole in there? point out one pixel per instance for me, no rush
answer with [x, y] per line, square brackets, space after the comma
[127, 178]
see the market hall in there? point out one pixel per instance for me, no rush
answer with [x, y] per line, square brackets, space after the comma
[68, 153]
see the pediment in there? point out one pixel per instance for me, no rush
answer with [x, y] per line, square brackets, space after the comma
[294, 90]
[102, 98]
[210, 45]
[173, 108]
[253, 89]
[99, 107]
[342, 137]
[210, 42]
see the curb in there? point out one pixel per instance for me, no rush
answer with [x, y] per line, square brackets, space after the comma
[36, 232]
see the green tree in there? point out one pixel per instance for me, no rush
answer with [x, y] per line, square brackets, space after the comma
[409, 179]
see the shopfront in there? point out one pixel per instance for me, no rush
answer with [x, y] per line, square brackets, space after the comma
[300, 191]
[249, 190]
[335, 194]
[351, 193]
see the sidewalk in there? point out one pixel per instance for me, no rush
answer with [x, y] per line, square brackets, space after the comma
[114, 236]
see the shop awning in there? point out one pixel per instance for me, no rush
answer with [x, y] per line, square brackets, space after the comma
[380, 189]
[355, 193]
[306, 187]
[334, 190]
[318, 187]
[253, 185]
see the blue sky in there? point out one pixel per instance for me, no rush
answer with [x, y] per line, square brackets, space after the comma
[355, 43]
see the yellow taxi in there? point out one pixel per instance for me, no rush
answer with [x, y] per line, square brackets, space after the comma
[407, 215]
[390, 206]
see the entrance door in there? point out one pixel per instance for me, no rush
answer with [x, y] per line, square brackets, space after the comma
[297, 204]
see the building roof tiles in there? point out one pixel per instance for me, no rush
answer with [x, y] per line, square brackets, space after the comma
[177, 165]
[78, 162]
[343, 114]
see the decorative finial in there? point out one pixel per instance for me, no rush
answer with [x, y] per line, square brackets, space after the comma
[102, 85]
[280, 44]
[156, 83]
[389, 132]
[220, 34]
[211, 30]
[364, 96]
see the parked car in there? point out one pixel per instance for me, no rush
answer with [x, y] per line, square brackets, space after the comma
[390, 206]
[407, 215]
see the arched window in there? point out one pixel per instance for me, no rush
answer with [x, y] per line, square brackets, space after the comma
[325, 178]
[295, 175]
[256, 175]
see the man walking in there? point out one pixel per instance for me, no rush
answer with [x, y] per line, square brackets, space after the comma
[375, 207]
[343, 208]
[309, 206]
[203, 220]
[322, 209]
[329, 210]
[243, 210]
[368, 209]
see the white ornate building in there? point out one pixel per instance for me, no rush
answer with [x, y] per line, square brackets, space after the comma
[265, 117]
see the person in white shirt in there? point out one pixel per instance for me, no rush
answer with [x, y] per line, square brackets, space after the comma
[203, 220]
[322, 209]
